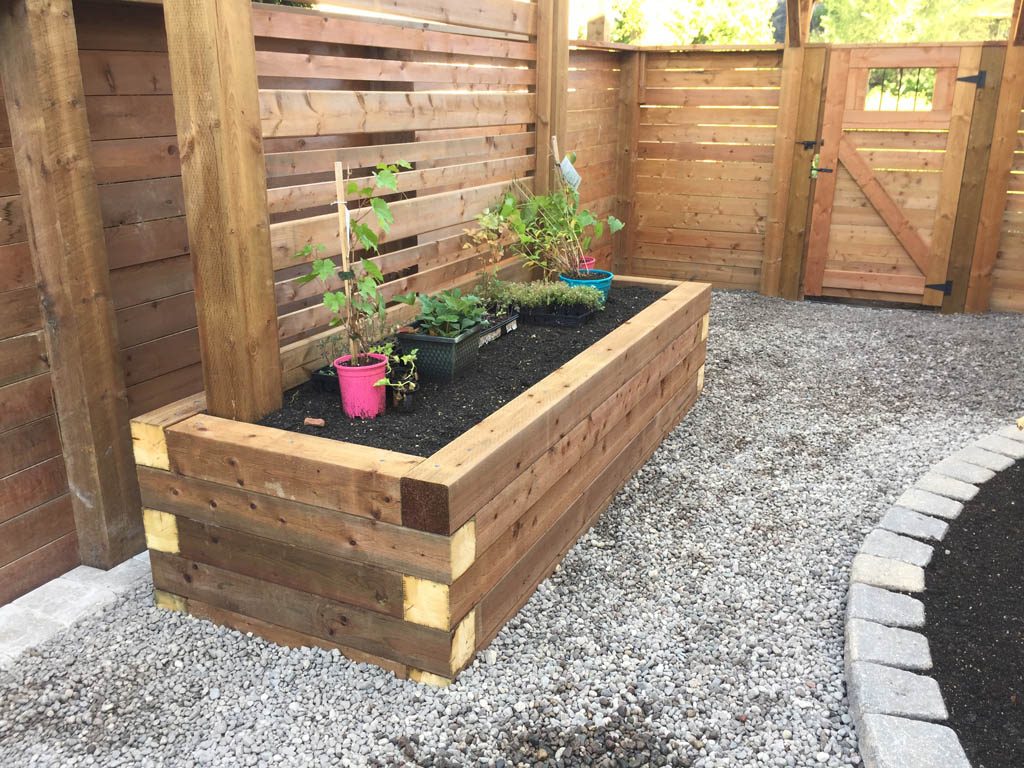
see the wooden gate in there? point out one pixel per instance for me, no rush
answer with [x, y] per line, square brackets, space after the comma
[891, 163]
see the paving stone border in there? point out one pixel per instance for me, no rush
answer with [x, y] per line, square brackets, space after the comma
[896, 707]
[34, 618]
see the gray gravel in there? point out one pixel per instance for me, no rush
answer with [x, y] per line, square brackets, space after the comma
[700, 624]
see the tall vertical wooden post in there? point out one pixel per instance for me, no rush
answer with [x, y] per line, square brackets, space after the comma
[972, 185]
[1000, 164]
[631, 77]
[50, 134]
[216, 106]
[788, 154]
[552, 84]
[560, 79]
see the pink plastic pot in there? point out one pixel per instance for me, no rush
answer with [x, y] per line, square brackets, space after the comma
[360, 399]
[587, 263]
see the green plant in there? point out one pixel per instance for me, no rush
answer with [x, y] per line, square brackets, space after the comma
[360, 305]
[402, 375]
[547, 296]
[448, 314]
[551, 232]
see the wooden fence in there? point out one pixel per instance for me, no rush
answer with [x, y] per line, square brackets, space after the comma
[706, 153]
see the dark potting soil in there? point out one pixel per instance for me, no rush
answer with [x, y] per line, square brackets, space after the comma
[506, 368]
[975, 609]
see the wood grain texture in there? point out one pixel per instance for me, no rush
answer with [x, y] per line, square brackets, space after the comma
[46, 108]
[213, 69]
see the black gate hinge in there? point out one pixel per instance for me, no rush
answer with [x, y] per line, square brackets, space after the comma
[978, 79]
[946, 288]
[813, 144]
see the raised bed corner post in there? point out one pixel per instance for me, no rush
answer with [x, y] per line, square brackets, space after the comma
[1000, 164]
[796, 137]
[50, 132]
[217, 110]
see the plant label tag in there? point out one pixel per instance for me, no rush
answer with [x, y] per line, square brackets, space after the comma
[513, 326]
[570, 174]
[348, 222]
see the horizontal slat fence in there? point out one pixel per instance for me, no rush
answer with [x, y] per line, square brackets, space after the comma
[37, 526]
[126, 73]
[594, 122]
[703, 170]
[456, 102]
[1008, 273]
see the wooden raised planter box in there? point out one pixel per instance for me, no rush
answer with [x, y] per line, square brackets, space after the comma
[407, 562]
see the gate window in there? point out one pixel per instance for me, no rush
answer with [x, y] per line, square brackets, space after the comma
[903, 89]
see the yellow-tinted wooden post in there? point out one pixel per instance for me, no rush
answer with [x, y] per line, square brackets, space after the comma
[216, 105]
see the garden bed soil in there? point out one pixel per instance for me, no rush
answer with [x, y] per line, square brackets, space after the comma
[506, 368]
[975, 608]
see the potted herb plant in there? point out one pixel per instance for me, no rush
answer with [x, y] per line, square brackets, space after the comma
[542, 303]
[445, 332]
[502, 316]
[360, 306]
[402, 381]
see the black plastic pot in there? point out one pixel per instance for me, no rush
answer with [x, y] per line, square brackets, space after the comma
[325, 380]
[440, 358]
[563, 317]
[401, 402]
[498, 327]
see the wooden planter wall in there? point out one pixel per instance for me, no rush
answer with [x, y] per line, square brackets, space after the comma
[408, 562]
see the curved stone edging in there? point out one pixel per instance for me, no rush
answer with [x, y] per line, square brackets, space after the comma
[895, 706]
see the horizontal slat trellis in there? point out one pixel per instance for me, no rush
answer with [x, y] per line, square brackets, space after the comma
[456, 99]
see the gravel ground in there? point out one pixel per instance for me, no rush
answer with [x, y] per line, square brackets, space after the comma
[699, 624]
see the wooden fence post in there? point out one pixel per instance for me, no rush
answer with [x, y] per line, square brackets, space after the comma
[50, 133]
[560, 77]
[545, 83]
[972, 184]
[216, 106]
[1000, 163]
[630, 95]
[786, 163]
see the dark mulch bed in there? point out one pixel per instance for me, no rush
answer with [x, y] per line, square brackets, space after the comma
[975, 610]
[507, 368]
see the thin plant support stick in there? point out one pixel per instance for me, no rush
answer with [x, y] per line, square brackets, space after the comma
[346, 260]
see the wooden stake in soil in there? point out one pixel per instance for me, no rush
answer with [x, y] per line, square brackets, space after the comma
[346, 258]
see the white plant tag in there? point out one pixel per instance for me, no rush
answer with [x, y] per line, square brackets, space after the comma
[348, 222]
[571, 175]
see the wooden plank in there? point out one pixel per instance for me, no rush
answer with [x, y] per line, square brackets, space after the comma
[964, 96]
[129, 117]
[871, 57]
[1001, 159]
[323, 160]
[372, 632]
[149, 440]
[785, 150]
[341, 476]
[712, 97]
[22, 357]
[873, 281]
[798, 214]
[16, 267]
[125, 73]
[511, 539]
[20, 312]
[318, 113]
[35, 528]
[545, 68]
[896, 121]
[633, 69]
[313, 528]
[304, 65]
[36, 568]
[892, 214]
[560, 76]
[825, 186]
[444, 492]
[31, 487]
[313, 572]
[213, 68]
[28, 444]
[294, 24]
[46, 107]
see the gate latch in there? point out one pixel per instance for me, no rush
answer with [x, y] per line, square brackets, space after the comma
[946, 288]
[978, 79]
